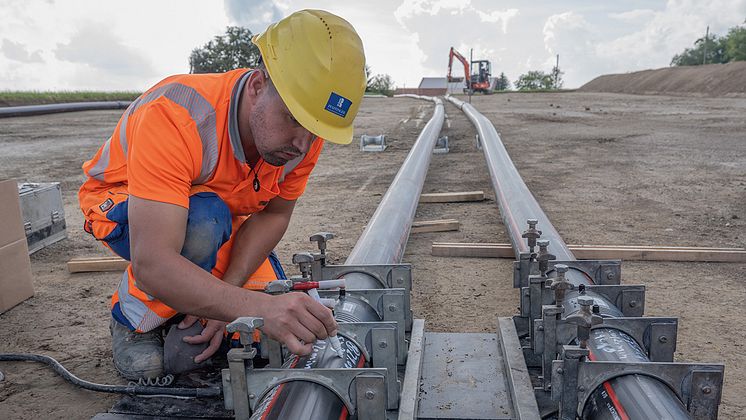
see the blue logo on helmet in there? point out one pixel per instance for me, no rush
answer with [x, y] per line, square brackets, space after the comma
[338, 105]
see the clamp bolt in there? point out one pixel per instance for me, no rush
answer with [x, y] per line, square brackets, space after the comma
[531, 234]
[370, 394]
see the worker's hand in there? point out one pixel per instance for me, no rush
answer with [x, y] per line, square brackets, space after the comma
[214, 332]
[297, 321]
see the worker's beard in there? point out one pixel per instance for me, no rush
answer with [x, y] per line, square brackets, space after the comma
[260, 130]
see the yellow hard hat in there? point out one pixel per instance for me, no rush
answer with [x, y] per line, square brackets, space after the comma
[316, 61]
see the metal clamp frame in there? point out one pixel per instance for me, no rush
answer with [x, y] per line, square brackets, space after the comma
[602, 272]
[698, 386]
[390, 305]
[390, 276]
[629, 298]
[657, 335]
[342, 382]
[377, 341]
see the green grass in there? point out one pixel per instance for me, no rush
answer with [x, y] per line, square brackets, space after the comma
[17, 98]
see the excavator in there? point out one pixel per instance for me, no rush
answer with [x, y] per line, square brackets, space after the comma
[477, 77]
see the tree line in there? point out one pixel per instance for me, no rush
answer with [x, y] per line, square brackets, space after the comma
[234, 49]
[715, 49]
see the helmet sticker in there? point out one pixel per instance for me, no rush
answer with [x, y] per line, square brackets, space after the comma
[338, 105]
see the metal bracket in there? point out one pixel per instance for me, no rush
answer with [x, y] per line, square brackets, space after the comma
[522, 269]
[602, 272]
[441, 146]
[547, 326]
[377, 341]
[342, 382]
[629, 298]
[698, 386]
[477, 142]
[657, 335]
[390, 276]
[373, 143]
[390, 305]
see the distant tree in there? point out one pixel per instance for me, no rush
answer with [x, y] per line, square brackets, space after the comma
[381, 83]
[557, 81]
[735, 47]
[716, 52]
[502, 82]
[225, 52]
[534, 80]
[368, 77]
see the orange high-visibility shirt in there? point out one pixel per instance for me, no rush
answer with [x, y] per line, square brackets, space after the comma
[182, 133]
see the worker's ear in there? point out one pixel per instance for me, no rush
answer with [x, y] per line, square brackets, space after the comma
[257, 84]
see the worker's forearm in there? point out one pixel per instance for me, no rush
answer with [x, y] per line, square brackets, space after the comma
[185, 287]
[255, 239]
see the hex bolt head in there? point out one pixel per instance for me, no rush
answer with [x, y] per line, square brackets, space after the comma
[370, 394]
[383, 344]
[663, 339]
[392, 308]
[252, 396]
[560, 371]
[632, 303]
[706, 390]
[581, 388]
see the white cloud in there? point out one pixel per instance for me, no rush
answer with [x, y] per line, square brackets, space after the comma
[17, 51]
[253, 14]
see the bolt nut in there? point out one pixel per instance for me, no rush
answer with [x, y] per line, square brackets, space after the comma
[383, 344]
[581, 388]
[540, 327]
[706, 390]
[392, 308]
[370, 394]
[663, 339]
[585, 300]
[610, 275]
[632, 303]
[252, 396]
[560, 371]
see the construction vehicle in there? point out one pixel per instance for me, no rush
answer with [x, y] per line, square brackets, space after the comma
[476, 73]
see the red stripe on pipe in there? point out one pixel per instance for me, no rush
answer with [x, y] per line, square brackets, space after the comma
[612, 395]
[277, 394]
[343, 415]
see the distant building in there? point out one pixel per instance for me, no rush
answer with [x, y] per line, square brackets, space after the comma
[435, 86]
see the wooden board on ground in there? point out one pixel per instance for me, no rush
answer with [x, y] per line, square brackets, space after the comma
[452, 197]
[93, 264]
[599, 252]
[444, 225]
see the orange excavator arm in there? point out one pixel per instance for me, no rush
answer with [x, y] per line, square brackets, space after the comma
[459, 57]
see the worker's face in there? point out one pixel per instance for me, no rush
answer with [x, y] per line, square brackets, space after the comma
[277, 135]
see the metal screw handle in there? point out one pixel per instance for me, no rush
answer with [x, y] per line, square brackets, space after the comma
[321, 238]
[245, 327]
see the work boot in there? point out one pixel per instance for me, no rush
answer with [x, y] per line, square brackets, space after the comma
[136, 355]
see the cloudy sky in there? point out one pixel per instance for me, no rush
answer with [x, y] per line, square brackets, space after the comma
[106, 45]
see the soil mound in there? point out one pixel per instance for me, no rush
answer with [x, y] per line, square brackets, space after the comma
[710, 80]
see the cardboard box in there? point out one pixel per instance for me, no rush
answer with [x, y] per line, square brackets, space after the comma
[15, 267]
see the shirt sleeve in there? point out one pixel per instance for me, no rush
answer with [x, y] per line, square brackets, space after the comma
[165, 153]
[295, 181]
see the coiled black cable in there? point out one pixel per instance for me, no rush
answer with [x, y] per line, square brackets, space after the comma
[132, 389]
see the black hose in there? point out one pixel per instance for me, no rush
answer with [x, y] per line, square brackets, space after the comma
[115, 389]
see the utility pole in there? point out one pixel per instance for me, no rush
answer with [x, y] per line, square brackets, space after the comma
[468, 80]
[704, 54]
[556, 74]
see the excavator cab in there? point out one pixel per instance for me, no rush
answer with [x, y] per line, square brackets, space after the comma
[481, 70]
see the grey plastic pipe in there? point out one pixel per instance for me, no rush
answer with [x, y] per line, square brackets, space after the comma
[383, 242]
[30, 110]
[640, 397]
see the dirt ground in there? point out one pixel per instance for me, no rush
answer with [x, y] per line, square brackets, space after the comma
[606, 168]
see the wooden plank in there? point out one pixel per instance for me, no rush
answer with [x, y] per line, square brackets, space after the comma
[94, 264]
[452, 197]
[444, 225]
[599, 252]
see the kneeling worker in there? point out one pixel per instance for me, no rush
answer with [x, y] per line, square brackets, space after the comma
[197, 185]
